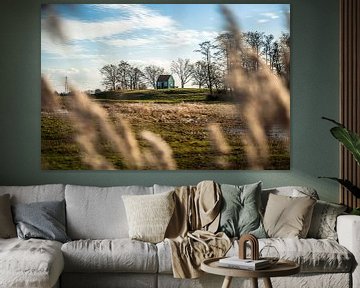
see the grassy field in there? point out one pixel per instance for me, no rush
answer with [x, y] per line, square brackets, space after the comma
[180, 117]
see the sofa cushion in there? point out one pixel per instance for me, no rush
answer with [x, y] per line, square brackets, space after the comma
[98, 213]
[323, 222]
[30, 263]
[291, 191]
[36, 193]
[240, 210]
[43, 220]
[117, 255]
[313, 255]
[7, 226]
[149, 215]
[287, 216]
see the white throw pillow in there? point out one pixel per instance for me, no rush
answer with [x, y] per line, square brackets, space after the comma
[149, 215]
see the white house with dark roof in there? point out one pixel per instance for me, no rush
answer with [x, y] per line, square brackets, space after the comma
[165, 82]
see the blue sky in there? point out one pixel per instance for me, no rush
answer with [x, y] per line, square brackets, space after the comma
[142, 34]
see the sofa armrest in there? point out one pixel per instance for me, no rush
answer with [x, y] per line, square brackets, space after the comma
[348, 230]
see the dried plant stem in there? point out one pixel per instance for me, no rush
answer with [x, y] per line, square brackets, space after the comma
[86, 111]
[49, 102]
[160, 156]
[263, 98]
[219, 144]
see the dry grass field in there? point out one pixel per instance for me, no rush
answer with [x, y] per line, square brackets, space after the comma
[183, 125]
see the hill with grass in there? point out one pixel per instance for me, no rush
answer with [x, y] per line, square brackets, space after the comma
[175, 95]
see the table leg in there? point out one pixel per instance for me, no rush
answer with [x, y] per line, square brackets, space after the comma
[267, 283]
[254, 282]
[227, 282]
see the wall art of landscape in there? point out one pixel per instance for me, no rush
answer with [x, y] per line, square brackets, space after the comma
[165, 87]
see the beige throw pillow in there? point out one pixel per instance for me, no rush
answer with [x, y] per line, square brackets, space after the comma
[148, 215]
[7, 226]
[288, 217]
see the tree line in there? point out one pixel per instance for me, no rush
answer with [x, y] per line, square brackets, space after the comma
[215, 64]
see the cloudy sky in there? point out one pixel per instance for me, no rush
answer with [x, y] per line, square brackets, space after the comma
[100, 34]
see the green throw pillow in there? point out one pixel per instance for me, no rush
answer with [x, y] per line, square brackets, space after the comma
[240, 213]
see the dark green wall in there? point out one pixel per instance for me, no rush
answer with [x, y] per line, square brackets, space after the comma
[314, 92]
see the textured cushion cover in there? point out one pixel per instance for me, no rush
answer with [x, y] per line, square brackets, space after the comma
[44, 220]
[240, 210]
[7, 227]
[149, 215]
[323, 222]
[313, 255]
[287, 216]
[98, 212]
[117, 255]
[31, 263]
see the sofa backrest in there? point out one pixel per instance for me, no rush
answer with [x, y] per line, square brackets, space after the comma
[98, 212]
[36, 193]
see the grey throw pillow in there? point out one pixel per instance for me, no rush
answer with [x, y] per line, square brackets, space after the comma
[7, 226]
[44, 220]
[240, 213]
[323, 222]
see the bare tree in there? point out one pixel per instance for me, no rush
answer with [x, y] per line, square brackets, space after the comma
[225, 44]
[267, 46]
[151, 73]
[284, 43]
[136, 78]
[183, 69]
[206, 49]
[124, 69]
[199, 73]
[255, 41]
[110, 76]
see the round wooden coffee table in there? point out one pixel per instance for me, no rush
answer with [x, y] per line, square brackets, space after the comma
[281, 268]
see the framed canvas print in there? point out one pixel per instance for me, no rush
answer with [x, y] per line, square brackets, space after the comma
[165, 86]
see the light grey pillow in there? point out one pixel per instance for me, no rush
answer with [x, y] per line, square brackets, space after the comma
[240, 212]
[288, 217]
[323, 222]
[7, 226]
[43, 220]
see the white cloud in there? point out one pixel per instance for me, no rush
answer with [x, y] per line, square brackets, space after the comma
[271, 15]
[130, 42]
[83, 78]
[263, 20]
[136, 17]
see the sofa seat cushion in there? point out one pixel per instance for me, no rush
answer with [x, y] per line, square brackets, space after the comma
[115, 255]
[313, 255]
[30, 263]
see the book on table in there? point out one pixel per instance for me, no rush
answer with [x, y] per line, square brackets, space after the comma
[236, 262]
